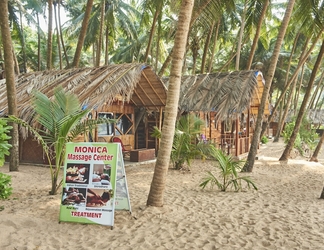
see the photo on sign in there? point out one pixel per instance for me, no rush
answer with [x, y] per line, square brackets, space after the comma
[101, 174]
[74, 196]
[77, 173]
[99, 197]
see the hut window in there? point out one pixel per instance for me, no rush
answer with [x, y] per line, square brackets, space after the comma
[124, 124]
[106, 128]
[227, 126]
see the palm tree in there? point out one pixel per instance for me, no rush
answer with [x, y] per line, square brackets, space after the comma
[155, 197]
[49, 35]
[248, 167]
[290, 144]
[10, 83]
[265, 6]
[205, 12]
[82, 35]
[37, 8]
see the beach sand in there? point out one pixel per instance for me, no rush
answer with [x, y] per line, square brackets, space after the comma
[285, 212]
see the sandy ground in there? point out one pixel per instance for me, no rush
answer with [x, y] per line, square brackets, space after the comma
[285, 213]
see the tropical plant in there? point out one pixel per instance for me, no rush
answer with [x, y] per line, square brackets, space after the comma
[227, 175]
[305, 137]
[4, 138]
[264, 139]
[61, 120]
[5, 180]
[187, 141]
[5, 186]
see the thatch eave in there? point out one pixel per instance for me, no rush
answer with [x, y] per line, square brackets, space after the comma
[134, 83]
[228, 93]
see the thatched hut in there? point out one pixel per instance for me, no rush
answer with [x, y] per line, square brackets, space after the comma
[228, 102]
[130, 93]
[315, 118]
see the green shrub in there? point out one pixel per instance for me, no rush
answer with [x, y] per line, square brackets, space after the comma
[227, 174]
[264, 139]
[5, 186]
[305, 136]
[4, 137]
[5, 180]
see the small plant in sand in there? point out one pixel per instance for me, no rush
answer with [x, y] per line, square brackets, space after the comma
[226, 175]
[264, 139]
[5, 180]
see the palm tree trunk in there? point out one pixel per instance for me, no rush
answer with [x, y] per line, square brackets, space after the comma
[211, 60]
[317, 149]
[194, 17]
[318, 93]
[257, 34]
[239, 43]
[299, 85]
[290, 144]
[49, 35]
[23, 44]
[288, 105]
[82, 35]
[148, 48]
[304, 56]
[58, 36]
[100, 39]
[206, 46]
[10, 83]
[107, 46]
[156, 193]
[248, 167]
[39, 66]
[322, 194]
[61, 36]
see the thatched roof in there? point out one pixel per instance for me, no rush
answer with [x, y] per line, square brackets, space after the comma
[135, 83]
[229, 93]
[314, 116]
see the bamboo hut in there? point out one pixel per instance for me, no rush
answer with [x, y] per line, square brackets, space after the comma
[130, 93]
[228, 103]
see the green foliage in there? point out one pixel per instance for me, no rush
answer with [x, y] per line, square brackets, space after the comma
[5, 186]
[305, 136]
[4, 137]
[187, 142]
[227, 174]
[264, 139]
[62, 121]
[5, 180]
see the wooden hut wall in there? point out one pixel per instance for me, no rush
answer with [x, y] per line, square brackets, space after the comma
[256, 99]
[31, 151]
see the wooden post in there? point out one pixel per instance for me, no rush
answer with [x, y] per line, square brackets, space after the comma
[237, 139]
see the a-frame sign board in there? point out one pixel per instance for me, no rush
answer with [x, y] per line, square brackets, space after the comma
[92, 180]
